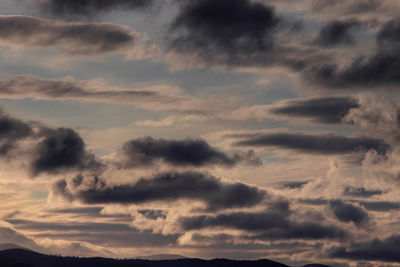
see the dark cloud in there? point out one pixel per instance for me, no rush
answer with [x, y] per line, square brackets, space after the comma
[337, 33]
[380, 69]
[305, 230]
[314, 201]
[361, 192]
[240, 220]
[323, 110]
[61, 149]
[77, 8]
[188, 152]
[387, 249]
[231, 31]
[12, 130]
[316, 144]
[163, 187]
[267, 225]
[347, 212]
[296, 184]
[381, 206]
[153, 214]
[72, 38]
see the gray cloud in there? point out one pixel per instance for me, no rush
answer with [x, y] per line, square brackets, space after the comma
[266, 225]
[304, 230]
[61, 149]
[295, 184]
[323, 110]
[187, 152]
[387, 249]
[99, 233]
[163, 187]
[350, 7]
[337, 33]
[360, 192]
[234, 33]
[23, 86]
[380, 69]
[381, 206]
[12, 130]
[153, 97]
[347, 212]
[84, 226]
[153, 214]
[89, 8]
[315, 144]
[240, 220]
[71, 38]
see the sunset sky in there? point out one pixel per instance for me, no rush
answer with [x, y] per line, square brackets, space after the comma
[241, 129]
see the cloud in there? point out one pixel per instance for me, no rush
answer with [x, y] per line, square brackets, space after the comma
[154, 97]
[240, 220]
[337, 33]
[162, 187]
[187, 152]
[12, 130]
[89, 8]
[377, 117]
[378, 70]
[347, 212]
[234, 32]
[387, 249]
[315, 144]
[62, 149]
[381, 206]
[8, 234]
[323, 110]
[77, 226]
[263, 226]
[306, 230]
[71, 38]
[361, 192]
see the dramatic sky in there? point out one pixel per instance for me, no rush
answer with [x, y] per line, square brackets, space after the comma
[209, 128]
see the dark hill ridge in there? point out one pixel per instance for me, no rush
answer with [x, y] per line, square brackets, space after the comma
[5, 246]
[27, 258]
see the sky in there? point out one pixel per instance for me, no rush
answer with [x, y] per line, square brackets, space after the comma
[241, 129]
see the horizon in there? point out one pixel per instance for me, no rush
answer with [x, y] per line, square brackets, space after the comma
[238, 129]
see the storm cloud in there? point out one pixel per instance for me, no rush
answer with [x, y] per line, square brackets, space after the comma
[347, 212]
[78, 39]
[61, 149]
[328, 110]
[315, 144]
[337, 33]
[387, 249]
[77, 8]
[264, 226]
[380, 69]
[186, 152]
[232, 32]
[163, 187]
[12, 130]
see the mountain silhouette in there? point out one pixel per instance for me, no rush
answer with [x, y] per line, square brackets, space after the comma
[17, 257]
[157, 257]
[5, 246]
